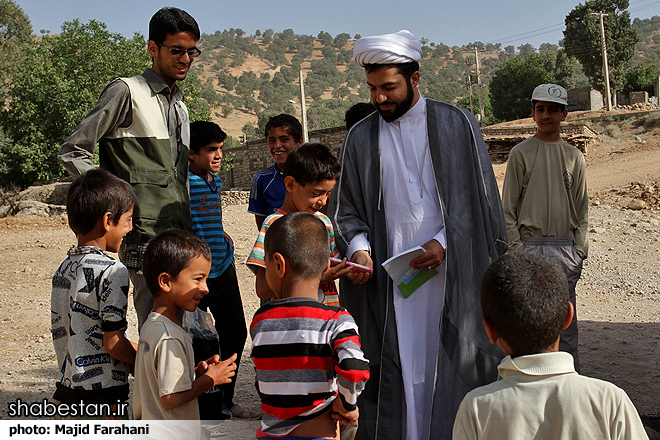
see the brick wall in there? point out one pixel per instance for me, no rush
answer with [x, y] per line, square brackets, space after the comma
[254, 156]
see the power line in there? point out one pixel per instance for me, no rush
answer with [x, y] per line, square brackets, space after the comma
[556, 27]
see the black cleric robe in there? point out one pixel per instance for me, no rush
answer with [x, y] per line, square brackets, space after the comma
[476, 235]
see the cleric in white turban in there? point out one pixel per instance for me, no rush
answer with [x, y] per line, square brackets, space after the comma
[416, 173]
[397, 48]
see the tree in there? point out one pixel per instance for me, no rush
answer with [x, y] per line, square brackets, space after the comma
[513, 83]
[526, 49]
[57, 83]
[15, 34]
[325, 38]
[639, 79]
[582, 39]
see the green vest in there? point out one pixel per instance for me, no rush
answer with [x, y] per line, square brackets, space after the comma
[141, 155]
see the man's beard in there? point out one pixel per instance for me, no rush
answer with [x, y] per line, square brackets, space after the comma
[401, 108]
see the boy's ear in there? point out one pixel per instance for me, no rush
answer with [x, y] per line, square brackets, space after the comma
[493, 336]
[280, 264]
[569, 316]
[191, 154]
[106, 221]
[289, 183]
[165, 282]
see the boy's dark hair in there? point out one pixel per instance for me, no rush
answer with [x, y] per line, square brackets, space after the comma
[303, 240]
[93, 194]
[405, 69]
[358, 112]
[289, 122]
[169, 21]
[561, 106]
[170, 252]
[312, 162]
[525, 297]
[203, 133]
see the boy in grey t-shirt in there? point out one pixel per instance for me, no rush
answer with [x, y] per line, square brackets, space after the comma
[89, 302]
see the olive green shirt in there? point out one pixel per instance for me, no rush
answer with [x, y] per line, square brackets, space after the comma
[545, 193]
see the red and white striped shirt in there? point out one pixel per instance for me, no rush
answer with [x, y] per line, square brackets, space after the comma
[305, 354]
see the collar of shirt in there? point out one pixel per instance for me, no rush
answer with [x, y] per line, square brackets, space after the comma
[541, 364]
[159, 86]
[416, 111]
[82, 250]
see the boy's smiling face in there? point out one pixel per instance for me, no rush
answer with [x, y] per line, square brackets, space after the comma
[117, 231]
[306, 198]
[280, 144]
[207, 160]
[189, 287]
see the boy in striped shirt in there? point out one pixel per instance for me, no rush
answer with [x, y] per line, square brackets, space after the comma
[224, 298]
[309, 364]
[310, 173]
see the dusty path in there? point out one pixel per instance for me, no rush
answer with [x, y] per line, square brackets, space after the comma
[618, 296]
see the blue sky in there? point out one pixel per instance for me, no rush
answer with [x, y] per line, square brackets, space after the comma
[452, 22]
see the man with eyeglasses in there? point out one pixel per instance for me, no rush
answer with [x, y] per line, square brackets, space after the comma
[142, 127]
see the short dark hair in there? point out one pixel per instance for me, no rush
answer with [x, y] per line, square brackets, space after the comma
[170, 252]
[525, 297]
[312, 162]
[561, 106]
[405, 69]
[93, 194]
[203, 133]
[289, 122]
[303, 240]
[169, 21]
[357, 112]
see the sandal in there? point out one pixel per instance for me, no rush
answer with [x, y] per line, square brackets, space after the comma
[237, 412]
[217, 431]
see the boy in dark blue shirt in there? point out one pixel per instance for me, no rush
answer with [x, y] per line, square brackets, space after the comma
[224, 298]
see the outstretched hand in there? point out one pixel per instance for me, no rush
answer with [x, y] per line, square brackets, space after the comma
[358, 276]
[335, 271]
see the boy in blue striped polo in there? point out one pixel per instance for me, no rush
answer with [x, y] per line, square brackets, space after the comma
[224, 298]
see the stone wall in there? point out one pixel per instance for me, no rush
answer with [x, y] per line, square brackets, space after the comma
[254, 156]
[584, 99]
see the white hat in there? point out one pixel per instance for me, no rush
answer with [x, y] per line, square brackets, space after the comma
[398, 48]
[550, 93]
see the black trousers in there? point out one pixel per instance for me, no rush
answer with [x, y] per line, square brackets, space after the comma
[226, 306]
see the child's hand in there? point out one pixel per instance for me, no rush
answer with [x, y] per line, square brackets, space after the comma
[222, 372]
[336, 270]
[339, 413]
[213, 359]
[201, 368]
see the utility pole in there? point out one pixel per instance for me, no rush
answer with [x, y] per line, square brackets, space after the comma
[479, 86]
[468, 84]
[606, 70]
[303, 108]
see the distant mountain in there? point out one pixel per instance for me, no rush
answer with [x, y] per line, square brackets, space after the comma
[247, 78]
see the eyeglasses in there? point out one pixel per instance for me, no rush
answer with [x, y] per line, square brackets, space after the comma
[192, 53]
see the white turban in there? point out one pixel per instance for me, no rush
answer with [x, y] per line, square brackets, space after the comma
[398, 48]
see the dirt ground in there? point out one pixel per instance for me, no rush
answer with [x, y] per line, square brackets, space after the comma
[618, 295]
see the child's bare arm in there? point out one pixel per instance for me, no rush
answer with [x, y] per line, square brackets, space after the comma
[120, 348]
[335, 271]
[216, 374]
[342, 415]
[261, 285]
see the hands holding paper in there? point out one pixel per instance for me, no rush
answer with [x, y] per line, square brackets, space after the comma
[360, 276]
[431, 258]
